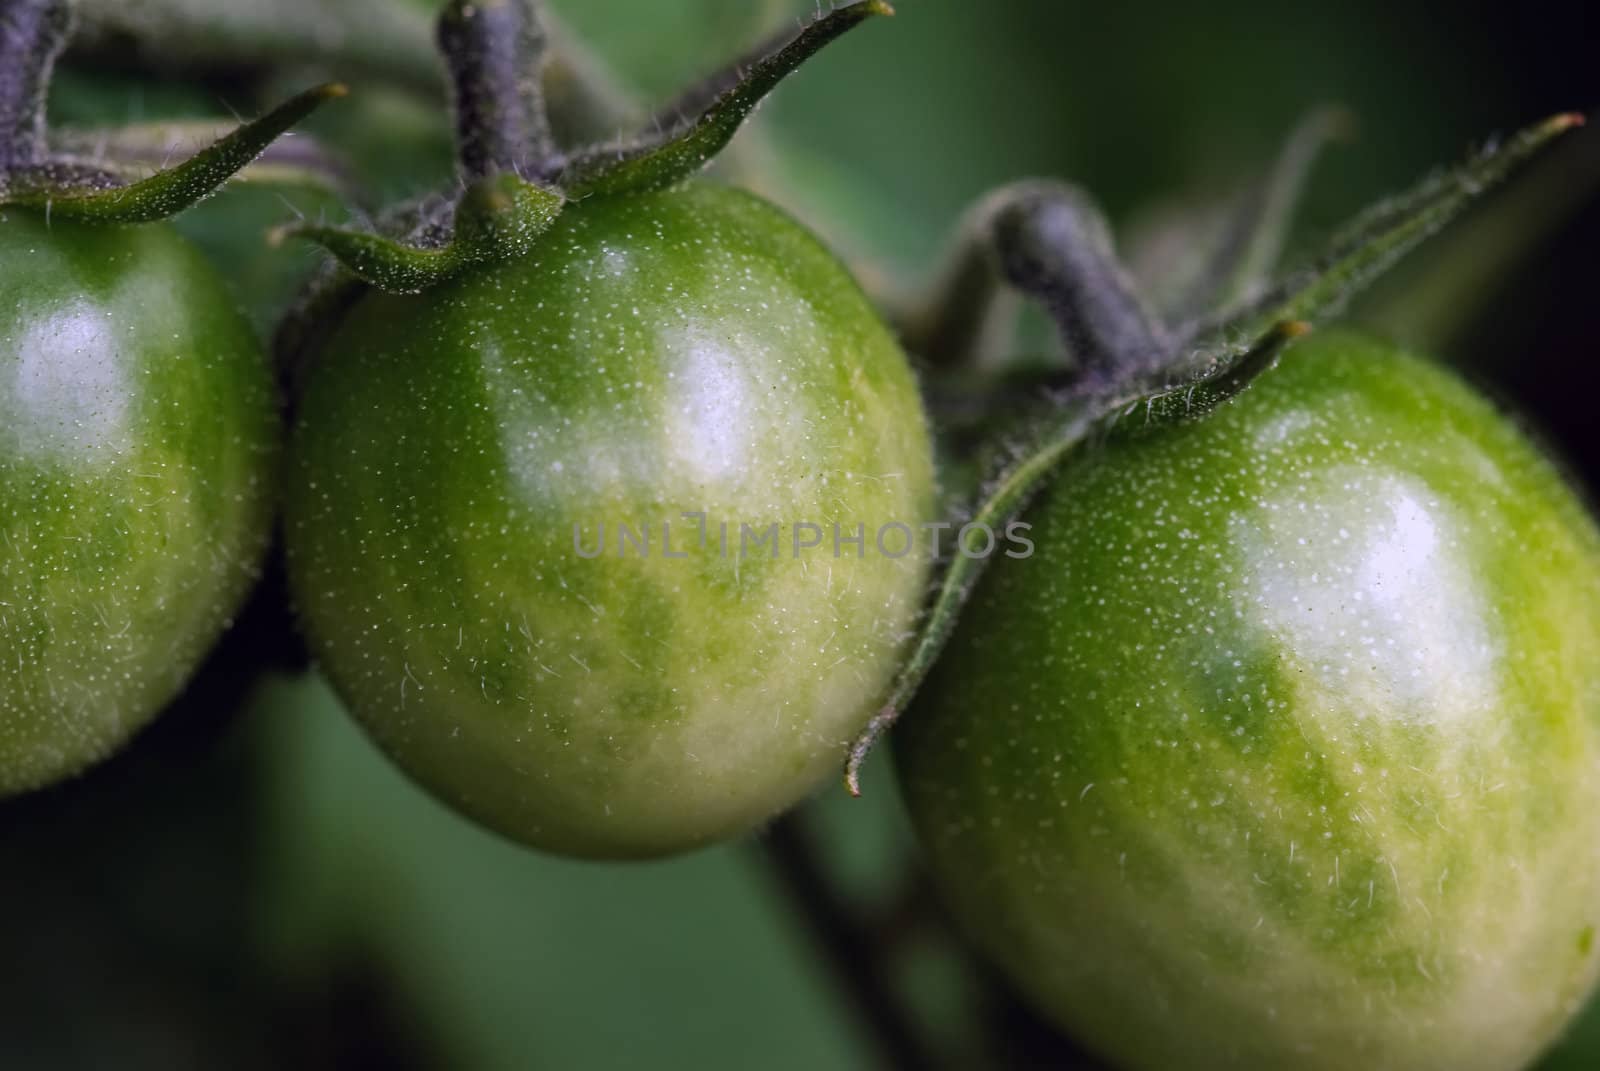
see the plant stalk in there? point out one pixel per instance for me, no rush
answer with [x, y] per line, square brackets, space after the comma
[32, 35]
[494, 51]
[1053, 244]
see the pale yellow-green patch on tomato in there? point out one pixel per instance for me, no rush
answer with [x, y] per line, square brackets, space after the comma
[464, 461]
[1283, 750]
[138, 439]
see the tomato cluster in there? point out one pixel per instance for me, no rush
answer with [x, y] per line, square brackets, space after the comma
[602, 341]
[1277, 747]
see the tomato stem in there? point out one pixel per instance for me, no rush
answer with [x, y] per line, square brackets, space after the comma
[952, 323]
[495, 52]
[1050, 243]
[1053, 244]
[32, 35]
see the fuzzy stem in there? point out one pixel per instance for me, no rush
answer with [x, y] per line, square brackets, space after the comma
[1053, 245]
[494, 50]
[953, 322]
[948, 325]
[32, 35]
[533, 55]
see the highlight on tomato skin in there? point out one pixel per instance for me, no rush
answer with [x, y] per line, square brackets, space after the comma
[1281, 750]
[138, 440]
[690, 366]
[1246, 719]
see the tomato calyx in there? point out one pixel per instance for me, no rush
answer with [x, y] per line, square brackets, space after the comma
[111, 186]
[1132, 371]
[515, 181]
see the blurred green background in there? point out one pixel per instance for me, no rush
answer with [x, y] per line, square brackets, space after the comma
[253, 886]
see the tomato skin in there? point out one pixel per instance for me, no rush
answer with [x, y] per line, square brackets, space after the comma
[687, 351]
[1282, 750]
[138, 437]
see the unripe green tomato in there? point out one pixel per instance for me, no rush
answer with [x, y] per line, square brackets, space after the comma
[458, 453]
[138, 431]
[1283, 749]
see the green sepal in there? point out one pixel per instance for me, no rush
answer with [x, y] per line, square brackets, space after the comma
[1215, 367]
[332, 290]
[128, 153]
[661, 160]
[50, 187]
[1033, 452]
[1371, 243]
[1226, 379]
[497, 218]
[501, 214]
[1249, 243]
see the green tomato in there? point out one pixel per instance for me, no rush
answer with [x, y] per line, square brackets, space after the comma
[1283, 748]
[138, 432]
[463, 461]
